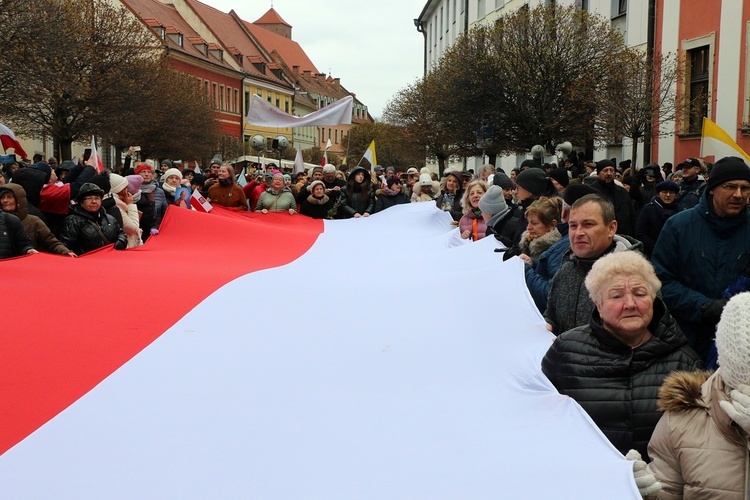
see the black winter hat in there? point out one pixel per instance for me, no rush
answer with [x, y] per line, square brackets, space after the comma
[529, 163]
[89, 189]
[602, 164]
[502, 180]
[43, 167]
[575, 192]
[536, 182]
[729, 168]
[560, 174]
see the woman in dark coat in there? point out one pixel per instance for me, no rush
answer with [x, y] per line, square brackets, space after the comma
[655, 213]
[317, 205]
[88, 226]
[613, 367]
[392, 194]
[359, 197]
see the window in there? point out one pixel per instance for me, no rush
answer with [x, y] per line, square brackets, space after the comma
[481, 9]
[699, 63]
[336, 135]
[499, 4]
[286, 106]
[247, 103]
[208, 90]
[278, 103]
[622, 7]
[236, 100]
[214, 94]
[221, 96]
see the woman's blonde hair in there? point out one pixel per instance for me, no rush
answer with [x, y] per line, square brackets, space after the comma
[629, 263]
[547, 209]
[465, 198]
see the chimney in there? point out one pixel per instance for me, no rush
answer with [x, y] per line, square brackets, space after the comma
[307, 73]
[337, 83]
[295, 70]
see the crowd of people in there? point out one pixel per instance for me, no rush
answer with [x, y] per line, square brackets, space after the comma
[640, 274]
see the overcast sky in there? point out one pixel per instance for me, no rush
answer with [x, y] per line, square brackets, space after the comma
[372, 45]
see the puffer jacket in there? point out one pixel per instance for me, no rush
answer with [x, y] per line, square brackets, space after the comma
[539, 275]
[617, 385]
[354, 204]
[467, 222]
[696, 256]
[85, 232]
[14, 240]
[384, 200]
[568, 303]
[40, 235]
[696, 450]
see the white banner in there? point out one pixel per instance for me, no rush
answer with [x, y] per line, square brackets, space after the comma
[264, 114]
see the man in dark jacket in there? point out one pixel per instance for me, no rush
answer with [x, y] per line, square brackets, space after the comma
[618, 196]
[14, 240]
[591, 230]
[702, 250]
[692, 186]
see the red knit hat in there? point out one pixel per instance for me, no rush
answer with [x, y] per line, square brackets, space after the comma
[143, 166]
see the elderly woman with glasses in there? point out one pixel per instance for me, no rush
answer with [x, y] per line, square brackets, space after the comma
[613, 367]
[88, 226]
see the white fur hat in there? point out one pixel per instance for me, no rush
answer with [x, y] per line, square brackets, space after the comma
[733, 341]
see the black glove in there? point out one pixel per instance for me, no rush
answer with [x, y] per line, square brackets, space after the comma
[711, 311]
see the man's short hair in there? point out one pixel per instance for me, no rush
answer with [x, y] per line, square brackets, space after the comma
[608, 210]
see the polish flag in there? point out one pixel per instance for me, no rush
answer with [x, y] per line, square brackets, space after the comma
[198, 202]
[95, 158]
[263, 373]
[9, 141]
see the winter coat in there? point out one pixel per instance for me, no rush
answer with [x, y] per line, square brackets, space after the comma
[616, 384]
[624, 208]
[130, 222]
[696, 450]
[534, 247]
[85, 232]
[146, 207]
[467, 222]
[316, 208]
[418, 196]
[539, 275]
[690, 193]
[40, 235]
[384, 200]
[651, 221]
[353, 204]
[696, 256]
[14, 240]
[231, 196]
[160, 202]
[456, 210]
[280, 202]
[503, 227]
[568, 303]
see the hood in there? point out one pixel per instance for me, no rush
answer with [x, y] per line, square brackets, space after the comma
[367, 180]
[32, 182]
[722, 227]
[681, 391]
[22, 206]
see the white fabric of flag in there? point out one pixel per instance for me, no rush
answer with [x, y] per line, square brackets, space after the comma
[421, 381]
[370, 155]
[299, 164]
[264, 114]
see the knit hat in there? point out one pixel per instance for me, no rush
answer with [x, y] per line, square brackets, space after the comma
[667, 186]
[575, 192]
[117, 183]
[89, 189]
[134, 183]
[733, 341]
[602, 164]
[729, 168]
[172, 171]
[168, 163]
[425, 180]
[536, 182]
[216, 160]
[502, 180]
[316, 169]
[412, 170]
[43, 167]
[143, 166]
[329, 169]
[493, 201]
[560, 175]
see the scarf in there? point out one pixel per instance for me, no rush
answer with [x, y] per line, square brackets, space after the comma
[318, 201]
[390, 192]
[137, 197]
[168, 189]
[225, 182]
[148, 188]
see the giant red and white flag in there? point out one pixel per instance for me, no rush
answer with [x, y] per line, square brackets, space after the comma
[277, 368]
[9, 141]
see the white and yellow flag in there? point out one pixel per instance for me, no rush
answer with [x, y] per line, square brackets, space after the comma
[717, 143]
[370, 156]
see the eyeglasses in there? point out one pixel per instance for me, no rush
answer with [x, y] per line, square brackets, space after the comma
[732, 187]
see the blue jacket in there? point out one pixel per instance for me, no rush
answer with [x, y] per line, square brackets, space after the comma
[538, 278]
[696, 256]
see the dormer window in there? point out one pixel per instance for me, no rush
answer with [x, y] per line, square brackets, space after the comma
[217, 53]
[175, 38]
[161, 31]
[261, 67]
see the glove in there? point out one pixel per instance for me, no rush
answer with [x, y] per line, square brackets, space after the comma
[154, 231]
[711, 311]
[739, 407]
[644, 480]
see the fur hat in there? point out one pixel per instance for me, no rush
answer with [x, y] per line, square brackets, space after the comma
[89, 189]
[536, 182]
[425, 180]
[667, 186]
[412, 170]
[493, 201]
[143, 166]
[560, 174]
[733, 341]
[315, 183]
[502, 180]
[729, 168]
[134, 183]
[329, 169]
[117, 183]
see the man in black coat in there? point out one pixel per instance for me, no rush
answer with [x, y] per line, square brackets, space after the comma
[618, 196]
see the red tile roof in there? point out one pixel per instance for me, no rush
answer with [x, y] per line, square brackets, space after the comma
[289, 50]
[271, 17]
